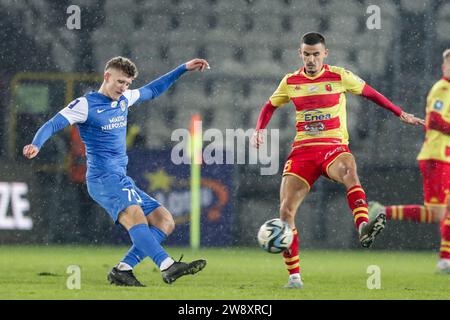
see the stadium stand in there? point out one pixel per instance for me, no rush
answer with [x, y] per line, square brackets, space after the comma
[251, 45]
[443, 23]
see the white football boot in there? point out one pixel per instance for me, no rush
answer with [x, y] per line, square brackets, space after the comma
[368, 231]
[443, 266]
[294, 281]
[374, 208]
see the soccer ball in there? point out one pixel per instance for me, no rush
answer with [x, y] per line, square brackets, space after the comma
[275, 236]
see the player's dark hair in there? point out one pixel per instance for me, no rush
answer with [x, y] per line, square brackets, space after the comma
[313, 38]
[123, 64]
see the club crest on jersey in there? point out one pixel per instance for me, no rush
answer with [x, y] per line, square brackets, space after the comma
[123, 105]
[113, 104]
[328, 87]
[438, 105]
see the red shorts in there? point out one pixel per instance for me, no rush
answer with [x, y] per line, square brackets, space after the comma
[436, 181]
[310, 162]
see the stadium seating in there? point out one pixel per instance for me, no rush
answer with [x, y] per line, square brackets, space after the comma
[443, 24]
[415, 6]
[249, 44]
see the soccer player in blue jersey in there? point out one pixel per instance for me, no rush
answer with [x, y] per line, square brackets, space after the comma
[101, 118]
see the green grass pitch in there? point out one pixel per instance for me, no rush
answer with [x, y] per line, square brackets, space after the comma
[40, 272]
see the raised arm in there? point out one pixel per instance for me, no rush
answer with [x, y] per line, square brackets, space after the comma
[160, 85]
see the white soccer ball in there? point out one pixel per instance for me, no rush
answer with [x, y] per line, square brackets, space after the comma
[275, 236]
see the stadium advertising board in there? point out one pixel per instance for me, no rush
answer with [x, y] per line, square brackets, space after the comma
[154, 173]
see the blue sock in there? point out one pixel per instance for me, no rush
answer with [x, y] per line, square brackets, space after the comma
[134, 255]
[146, 244]
[159, 235]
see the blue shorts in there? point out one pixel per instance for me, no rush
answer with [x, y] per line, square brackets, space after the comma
[116, 192]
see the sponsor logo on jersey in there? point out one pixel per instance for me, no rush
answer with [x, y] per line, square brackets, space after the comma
[113, 104]
[328, 87]
[313, 88]
[115, 123]
[297, 87]
[100, 110]
[316, 115]
[314, 128]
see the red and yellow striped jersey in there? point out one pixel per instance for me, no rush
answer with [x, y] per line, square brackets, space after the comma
[320, 104]
[437, 144]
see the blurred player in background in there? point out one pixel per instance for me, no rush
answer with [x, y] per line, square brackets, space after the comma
[321, 143]
[434, 164]
[101, 118]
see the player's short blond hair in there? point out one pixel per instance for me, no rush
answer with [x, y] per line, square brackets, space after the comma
[446, 54]
[123, 64]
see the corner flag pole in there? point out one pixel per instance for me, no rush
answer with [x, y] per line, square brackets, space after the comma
[196, 163]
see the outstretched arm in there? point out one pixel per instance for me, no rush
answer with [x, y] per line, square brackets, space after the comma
[263, 120]
[52, 126]
[160, 85]
[373, 95]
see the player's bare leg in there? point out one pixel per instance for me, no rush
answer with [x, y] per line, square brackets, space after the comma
[343, 170]
[292, 192]
[162, 219]
[131, 216]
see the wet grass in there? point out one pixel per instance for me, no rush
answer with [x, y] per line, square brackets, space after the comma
[41, 272]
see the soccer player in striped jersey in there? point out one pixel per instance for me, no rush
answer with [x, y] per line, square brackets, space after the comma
[321, 144]
[434, 164]
[101, 118]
